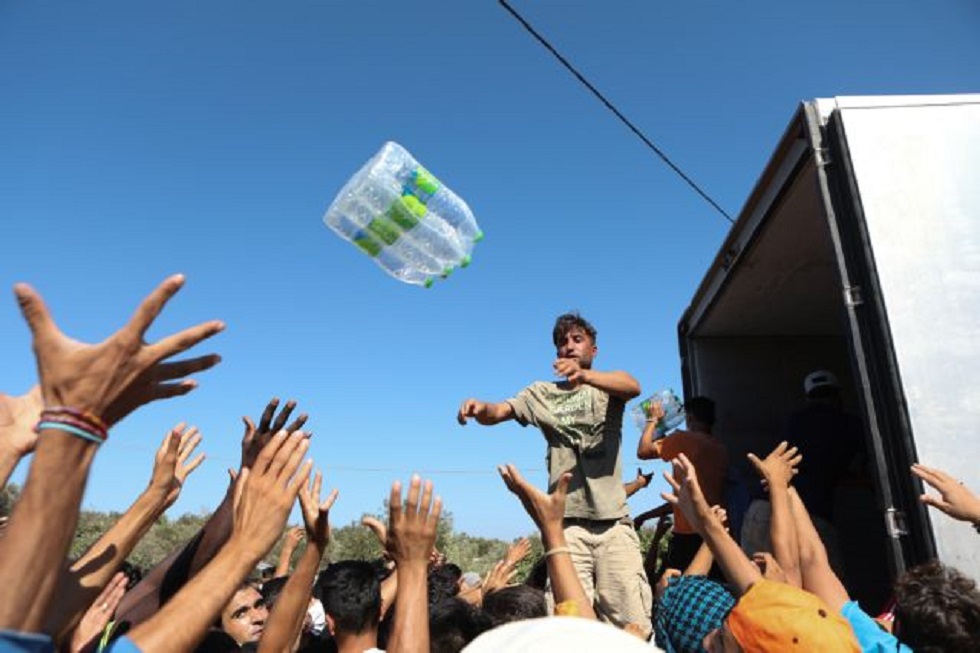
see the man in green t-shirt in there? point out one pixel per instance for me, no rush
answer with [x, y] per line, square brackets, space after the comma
[581, 418]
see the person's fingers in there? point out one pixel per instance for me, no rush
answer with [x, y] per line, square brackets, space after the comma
[507, 474]
[795, 460]
[150, 308]
[672, 481]
[249, 429]
[791, 452]
[754, 459]
[300, 478]
[670, 498]
[267, 414]
[935, 502]
[933, 477]
[426, 501]
[281, 418]
[169, 390]
[35, 312]
[433, 517]
[316, 486]
[330, 500]
[780, 448]
[268, 454]
[395, 503]
[293, 455]
[298, 423]
[184, 340]
[179, 369]
[240, 480]
[412, 501]
[192, 465]
[561, 490]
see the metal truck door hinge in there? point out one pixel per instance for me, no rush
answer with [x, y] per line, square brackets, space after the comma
[853, 296]
[822, 156]
[895, 523]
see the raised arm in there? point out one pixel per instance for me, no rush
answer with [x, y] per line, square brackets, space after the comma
[777, 471]
[264, 495]
[548, 512]
[955, 499]
[641, 481]
[93, 386]
[688, 496]
[86, 577]
[165, 580]
[818, 576]
[484, 413]
[289, 544]
[650, 443]
[617, 383]
[411, 536]
[285, 622]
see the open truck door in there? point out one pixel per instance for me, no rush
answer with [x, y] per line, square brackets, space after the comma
[858, 251]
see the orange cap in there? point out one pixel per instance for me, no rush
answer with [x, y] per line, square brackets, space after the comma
[774, 616]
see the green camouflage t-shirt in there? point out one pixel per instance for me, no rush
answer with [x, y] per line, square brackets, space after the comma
[583, 427]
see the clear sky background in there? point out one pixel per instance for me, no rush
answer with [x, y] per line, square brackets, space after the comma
[140, 139]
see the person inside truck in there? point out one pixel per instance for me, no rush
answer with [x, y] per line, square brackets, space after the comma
[833, 442]
[710, 458]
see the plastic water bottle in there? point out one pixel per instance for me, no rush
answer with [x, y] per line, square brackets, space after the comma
[673, 409]
[412, 225]
[400, 262]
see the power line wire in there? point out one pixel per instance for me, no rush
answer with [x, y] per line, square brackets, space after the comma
[609, 105]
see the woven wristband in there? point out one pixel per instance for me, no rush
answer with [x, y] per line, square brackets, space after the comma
[69, 428]
[557, 550]
[81, 419]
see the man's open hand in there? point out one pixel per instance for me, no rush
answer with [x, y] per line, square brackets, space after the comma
[255, 438]
[779, 467]
[170, 466]
[955, 499]
[412, 527]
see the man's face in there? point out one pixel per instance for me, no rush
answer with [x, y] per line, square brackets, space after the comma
[243, 618]
[578, 345]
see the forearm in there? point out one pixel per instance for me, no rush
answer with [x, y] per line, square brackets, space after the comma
[182, 623]
[496, 413]
[633, 487]
[82, 582]
[565, 585]
[172, 573]
[410, 627]
[782, 534]
[811, 549]
[700, 565]
[739, 570]
[646, 449]
[286, 620]
[617, 383]
[285, 556]
[32, 552]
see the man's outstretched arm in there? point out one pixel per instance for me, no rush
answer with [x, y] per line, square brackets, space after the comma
[484, 412]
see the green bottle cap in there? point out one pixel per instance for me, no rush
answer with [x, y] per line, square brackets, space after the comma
[478, 237]
[466, 261]
[428, 282]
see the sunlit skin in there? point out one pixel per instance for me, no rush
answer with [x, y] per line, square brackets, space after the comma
[245, 615]
[575, 352]
[721, 640]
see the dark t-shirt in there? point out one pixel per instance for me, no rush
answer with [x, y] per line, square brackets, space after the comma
[829, 440]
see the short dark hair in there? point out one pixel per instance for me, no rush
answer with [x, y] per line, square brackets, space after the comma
[702, 409]
[514, 604]
[569, 321]
[454, 623]
[444, 582]
[937, 608]
[351, 595]
[271, 589]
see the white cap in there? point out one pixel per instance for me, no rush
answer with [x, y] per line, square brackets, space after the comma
[820, 379]
[566, 634]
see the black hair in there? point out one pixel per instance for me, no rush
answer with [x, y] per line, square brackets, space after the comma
[937, 608]
[538, 576]
[514, 604]
[271, 589]
[444, 582]
[702, 409]
[351, 595]
[454, 623]
[565, 323]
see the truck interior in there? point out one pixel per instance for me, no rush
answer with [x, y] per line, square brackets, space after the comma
[770, 311]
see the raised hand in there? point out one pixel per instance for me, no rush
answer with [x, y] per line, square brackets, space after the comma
[255, 438]
[769, 567]
[571, 370]
[378, 528]
[18, 415]
[955, 499]
[265, 492]
[499, 576]
[643, 479]
[316, 514]
[471, 408]
[779, 467]
[687, 494]
[171, 466]
[412, 527]
[114, 377]
[517, 552]
[547, 510]
[89, 630]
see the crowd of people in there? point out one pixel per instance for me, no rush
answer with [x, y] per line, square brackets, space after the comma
[591, 588]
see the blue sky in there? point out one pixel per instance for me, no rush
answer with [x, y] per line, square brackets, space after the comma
[141, 139]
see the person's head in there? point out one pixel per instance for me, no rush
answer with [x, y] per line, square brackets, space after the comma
[937, 609]
[243, 617]
[515, 603]
[444, 582]
[773, 616]
[700, 412]
[454, 623]
[688, 609]
[351, 595]
[821, 386]
[574, 337]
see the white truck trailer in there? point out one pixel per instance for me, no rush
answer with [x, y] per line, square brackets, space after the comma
[858, 251]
